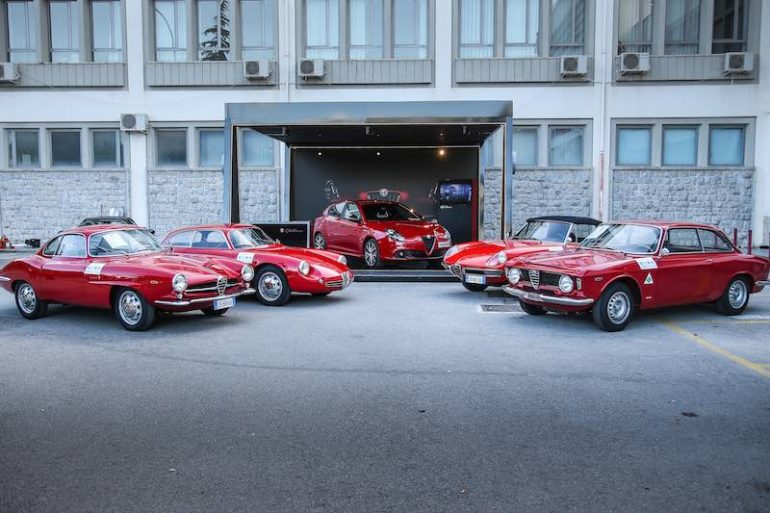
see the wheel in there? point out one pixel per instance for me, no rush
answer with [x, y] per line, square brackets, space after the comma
[474, 287]
[735, 298]
[133, 311]
[371, 253]
[30, 307]
[615, 308]
[531, 309]
[210, 312]
[319, 241]
[272, 286]
[320, 294]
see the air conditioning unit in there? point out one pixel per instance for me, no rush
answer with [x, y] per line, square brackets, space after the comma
[8, 72]
[573, 65]
[311, 68]
[738, 62]
[256, 70]
[134, 122]
[631, 63]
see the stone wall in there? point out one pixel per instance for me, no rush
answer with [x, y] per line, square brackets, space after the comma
[539, 192]
[491, 209]
[260, 192]
[36, 204]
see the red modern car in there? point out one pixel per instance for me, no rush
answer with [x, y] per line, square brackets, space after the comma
[279, 270]
[122, 268]
[621, 267]
[480, 264]
[379, 231]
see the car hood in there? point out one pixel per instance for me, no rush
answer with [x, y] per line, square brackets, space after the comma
[312, 256]
[575, 260]
[194, 267]
[518, 249]
[408, 228]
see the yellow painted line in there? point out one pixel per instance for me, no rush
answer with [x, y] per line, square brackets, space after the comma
[759, 368]
[732, 321]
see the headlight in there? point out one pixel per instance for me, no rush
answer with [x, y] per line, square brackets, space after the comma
[304, 268]
[179, 283]
[247, 273]
[514, 275]
[393, 234]
[565, 284]
[501, 257]
[342, 260]
[451, 251]
[447, 234]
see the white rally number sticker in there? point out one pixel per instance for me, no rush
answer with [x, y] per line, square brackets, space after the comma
[646, 263]
[94, 269]
[246, 258]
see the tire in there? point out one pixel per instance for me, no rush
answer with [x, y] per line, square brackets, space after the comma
[531, 309]
[319, 241]
[272, 286]
[371, 253]
[735, 298]
[27, 302]
[210, 312]
[474, 287]
[133, 312]
[615, 308]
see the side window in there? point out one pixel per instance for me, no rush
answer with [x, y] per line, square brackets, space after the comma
[72, 246]
[180, 240]
[352, 213]
[582, 231]
[713, 241]
[210, 239]
[335, 210]
[683, 240]
[51, 247]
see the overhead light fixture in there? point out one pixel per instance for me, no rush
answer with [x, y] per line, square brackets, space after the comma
[441, 152]
[378, 153]
[319, 153]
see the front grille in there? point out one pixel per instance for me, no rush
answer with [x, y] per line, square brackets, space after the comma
[430, 243]
[211, 286]
[344, 280]
[534, 278]
[221, 285]
[456, 270]
[539, 278]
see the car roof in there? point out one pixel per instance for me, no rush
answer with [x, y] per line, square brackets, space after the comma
[667, 224]
[567, 219]
[220, 226]
[96, 228]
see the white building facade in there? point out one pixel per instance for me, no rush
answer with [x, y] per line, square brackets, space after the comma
[622, 108]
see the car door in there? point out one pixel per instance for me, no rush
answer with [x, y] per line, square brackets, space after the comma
[63, 272]
[210, 242]
[350, 228]
[331, 226]
[722, 262]
[683, 273]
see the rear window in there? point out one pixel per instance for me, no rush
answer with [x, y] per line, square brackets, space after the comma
[713, 241]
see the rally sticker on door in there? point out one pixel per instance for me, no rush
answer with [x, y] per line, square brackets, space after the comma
[94, 269]
[646, 263]
[648, 279]
[246, 258]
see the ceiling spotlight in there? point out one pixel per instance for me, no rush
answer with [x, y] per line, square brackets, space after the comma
[378, 153]
[441, 152]
[319, 153]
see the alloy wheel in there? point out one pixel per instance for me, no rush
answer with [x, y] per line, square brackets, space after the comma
[130, 307]
[737, 294]
[270, 286]
[27, 298]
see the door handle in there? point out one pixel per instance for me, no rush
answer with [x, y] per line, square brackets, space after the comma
[709, 260]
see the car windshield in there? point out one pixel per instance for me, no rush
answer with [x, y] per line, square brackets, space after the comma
[249, 238]
[545, 231]
[388, 212]
[122, 242]
[627, 238]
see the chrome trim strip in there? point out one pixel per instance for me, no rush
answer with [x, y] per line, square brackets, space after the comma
[4, 278]
[761, 283]
[188, 302]
[556, 300]
[488, 272]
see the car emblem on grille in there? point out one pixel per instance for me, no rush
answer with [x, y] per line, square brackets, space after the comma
[430, 243]
[534, 278]
[221, 285]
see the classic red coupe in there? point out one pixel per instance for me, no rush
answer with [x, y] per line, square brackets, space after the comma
[621, 267]
[480, 264]
[379, 231]
[122, 268]
[279, 270]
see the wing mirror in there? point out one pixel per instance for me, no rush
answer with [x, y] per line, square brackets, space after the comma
[665, 252]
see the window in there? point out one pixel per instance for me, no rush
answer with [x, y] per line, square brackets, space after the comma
[322, 28]
[410, 29]
[521, 27]
[107, 148]
[680, 145]
[65, 30]
[171, 147]
[257, 23]
[682, 26]
[52, 246]
[107, 30]
[24, 148]
[729, 27]
[726, 146]
[568, 26]
[183, 240]
[256, 149]
[65, 148]
[713, 241]
[211, 147]
[22, 31]
[170, 30]
[72, 246]
[351, 213]
[525, 146]
[634, 26]
[214, 30]
[683, 240]
[365, 24]
[212, 239]
[634, 146]
[565, 146]
[477, 28]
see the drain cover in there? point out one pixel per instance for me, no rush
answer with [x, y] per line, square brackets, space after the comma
[499, 308]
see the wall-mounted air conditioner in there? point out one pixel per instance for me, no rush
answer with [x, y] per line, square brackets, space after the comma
[573, 65]
[256, 70]
[738, 62]
[134, 122]
[311, 68]
[634, 63]
[8, 72]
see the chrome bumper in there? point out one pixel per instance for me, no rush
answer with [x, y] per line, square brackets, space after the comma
[188, 302]
[541, 298]
[761, 283]
[485, 272]
[345, 280]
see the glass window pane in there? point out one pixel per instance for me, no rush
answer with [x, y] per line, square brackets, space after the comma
[568, 19]
[729, 27]
[683, 240]
[521, 27]
[171, 147]
[22, 31]
[682, 26]
[634, 146]
[635, 26]
[565, 147]
[525, 146]
[170, 30]
[477, 28]
[410, 25]
[107, 150]
[365, 26]
[211, 147]
[257, 19]
[65, 30]
[680, 146]
[72, 246]
[711, 241]
[322, 24]
[214, 30]
[726, 146]
[65, 148]
[107, 30]
[24, 148]
[257, 149]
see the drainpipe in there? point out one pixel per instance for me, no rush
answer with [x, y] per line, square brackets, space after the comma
[606, 70]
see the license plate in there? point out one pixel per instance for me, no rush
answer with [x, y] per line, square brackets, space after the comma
[476, 279]
[531, 296]
[221, 304]
[444, 243]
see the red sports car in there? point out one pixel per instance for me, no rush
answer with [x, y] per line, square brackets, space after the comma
[122, 268]
[624, 266]
[279, 270]
[481, 264]
[379, 231]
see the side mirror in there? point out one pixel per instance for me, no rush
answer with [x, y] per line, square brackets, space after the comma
[665, 252]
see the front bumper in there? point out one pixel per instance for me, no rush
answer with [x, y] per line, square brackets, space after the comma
[761, 283]
[181, 303]
[542, 298]
[344, 281]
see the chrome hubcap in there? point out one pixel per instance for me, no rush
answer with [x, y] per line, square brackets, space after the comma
[319, 241]
[27, 298]
[130, 307]
[270, 286]
[737, 294]
[618, 307]
[370, 253]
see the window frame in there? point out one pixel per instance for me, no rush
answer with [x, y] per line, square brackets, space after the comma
[64, 236]
[219, 48]
[119, 153]
[666, 242]
[74, 38]
[115, 5]
[720, 236]
[744, 136]
[49, 136]
[674, 126]
[553, 126]
[634, 126]
[10, 147]
[32, 36]
[238, 46]
[199, 130]
[169, 128]
[241, 147]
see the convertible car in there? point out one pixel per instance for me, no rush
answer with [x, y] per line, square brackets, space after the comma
[379, 231]
[279, 270]
[621, 267]
[480, 264]
[122, 268]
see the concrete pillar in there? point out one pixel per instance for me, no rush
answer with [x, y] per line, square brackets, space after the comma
[137, 141]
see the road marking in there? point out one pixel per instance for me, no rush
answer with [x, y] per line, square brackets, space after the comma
[761, 369]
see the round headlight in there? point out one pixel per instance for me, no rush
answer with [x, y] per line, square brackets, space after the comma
[342, 260]
[304, 268]
[514, 275]
[247, 273]
[501, 258]
[565, 284]
[451, 251]
[179, 283]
